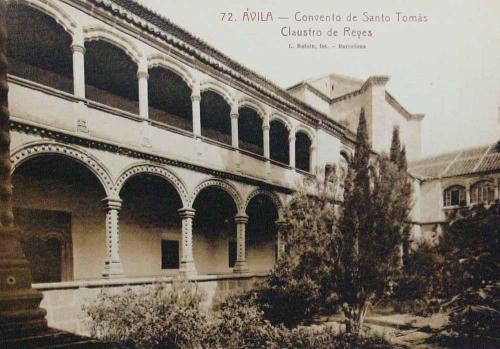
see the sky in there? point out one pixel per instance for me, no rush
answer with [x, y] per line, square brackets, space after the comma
[447, 67]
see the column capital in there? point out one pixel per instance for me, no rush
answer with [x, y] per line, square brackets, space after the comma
[111, 203]
[291, 137]
[195, 97]
[143, 74]
[77, 47]
[186, 212]
[241, 219]
[265, 125]
[234, 114]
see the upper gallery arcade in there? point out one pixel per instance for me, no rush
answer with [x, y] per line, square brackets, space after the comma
[138, 150]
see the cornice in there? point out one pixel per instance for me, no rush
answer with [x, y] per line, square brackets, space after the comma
[27, 128]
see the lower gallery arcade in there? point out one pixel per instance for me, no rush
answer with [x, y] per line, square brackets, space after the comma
[74, 230]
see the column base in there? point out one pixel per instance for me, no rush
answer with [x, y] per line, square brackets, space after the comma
[240, 267]
[112, 270]
[187, 269]
[20, 312]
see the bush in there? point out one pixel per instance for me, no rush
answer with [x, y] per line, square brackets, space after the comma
[150, 317]
[160, 317]
[327, 338]
[239, 323]
[276, 296]
[475, 313]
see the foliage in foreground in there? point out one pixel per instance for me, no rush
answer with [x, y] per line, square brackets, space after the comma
[162, 317]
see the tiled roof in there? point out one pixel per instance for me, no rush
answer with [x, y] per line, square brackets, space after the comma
[481, 159]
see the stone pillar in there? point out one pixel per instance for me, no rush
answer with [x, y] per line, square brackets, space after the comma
[291, 148]
[241, 260]
[195, 99]
[142, 76]
[20, 312]
[187, 267]
[112, 263]
[265, 131]
[234, 126]
[78, 69]
[281, 225]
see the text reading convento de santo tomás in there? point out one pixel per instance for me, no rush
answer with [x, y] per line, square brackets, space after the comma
[304, 24]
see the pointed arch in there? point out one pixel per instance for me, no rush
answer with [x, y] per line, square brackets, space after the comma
[31, 150]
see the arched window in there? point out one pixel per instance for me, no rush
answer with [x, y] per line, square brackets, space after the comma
[215, 117]
[454, 196]
[169, 99]
[111, 76]
[482, 192]
[302, 152]
[250, 131]
[38, 48]
[278, 142]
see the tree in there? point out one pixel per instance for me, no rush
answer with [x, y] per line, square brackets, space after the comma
[469, 274]
[300, 287]
[369, 230]
[397, 156]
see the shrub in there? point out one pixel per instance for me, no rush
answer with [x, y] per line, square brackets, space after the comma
[150, 317]
[280, 291]
[327, 338]
[238, 323]
[475, 313]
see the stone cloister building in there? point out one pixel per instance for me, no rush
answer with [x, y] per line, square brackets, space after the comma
[141, 153]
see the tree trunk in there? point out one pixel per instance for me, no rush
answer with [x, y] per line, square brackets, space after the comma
[355, 317]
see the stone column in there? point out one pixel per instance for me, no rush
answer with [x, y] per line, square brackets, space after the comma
[234, 126]
[291, 148]
[78, 69]
[265, 131]
[20, 312]
[195, 99]
[112, 263]
[241, 260]
[187, 267]
[142, 76]
[281, 225]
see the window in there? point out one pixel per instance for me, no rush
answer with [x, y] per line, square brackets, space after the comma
[232, 253]
[454, 196]
[169, 254]
[482, 191]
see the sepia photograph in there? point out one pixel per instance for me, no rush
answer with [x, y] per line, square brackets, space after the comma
[249, 174]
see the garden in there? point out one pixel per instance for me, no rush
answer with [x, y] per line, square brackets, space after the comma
[350, 276]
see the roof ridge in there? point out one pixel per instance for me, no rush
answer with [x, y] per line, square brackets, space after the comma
[451, 163]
